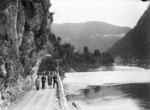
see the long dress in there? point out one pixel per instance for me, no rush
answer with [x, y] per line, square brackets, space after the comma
[37, 83]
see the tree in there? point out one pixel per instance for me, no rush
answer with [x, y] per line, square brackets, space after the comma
[58, 39]
[97, 53]
[107, 60]
[118, 60]
[86, 50]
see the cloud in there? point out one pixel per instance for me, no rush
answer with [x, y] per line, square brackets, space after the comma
[114, 35]
[96, 35]
[108, 35]
[116, 12]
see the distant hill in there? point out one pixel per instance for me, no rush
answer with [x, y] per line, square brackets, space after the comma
[136, 44]
[95, 35]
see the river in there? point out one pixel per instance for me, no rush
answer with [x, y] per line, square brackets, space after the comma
[126, 88]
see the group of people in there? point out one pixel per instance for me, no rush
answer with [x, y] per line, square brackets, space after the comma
[51, 80]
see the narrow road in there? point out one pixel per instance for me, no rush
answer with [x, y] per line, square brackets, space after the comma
[44, 99]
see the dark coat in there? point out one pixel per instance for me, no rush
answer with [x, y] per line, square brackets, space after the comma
[43, 78]
[50, 80]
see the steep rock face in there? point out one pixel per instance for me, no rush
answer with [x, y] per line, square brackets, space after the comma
[135, 45]
[24, 33]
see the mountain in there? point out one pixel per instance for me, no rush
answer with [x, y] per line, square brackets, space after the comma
[94, 34]
[136, 43]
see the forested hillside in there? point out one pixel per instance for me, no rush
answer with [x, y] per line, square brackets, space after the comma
[136, 44]
[94, 34]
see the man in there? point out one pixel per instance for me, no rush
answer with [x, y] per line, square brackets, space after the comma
[37, 83]
[55, 80]
[43, 81]
[50, 77]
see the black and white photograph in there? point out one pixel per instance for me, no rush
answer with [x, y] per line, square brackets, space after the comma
[74, 54]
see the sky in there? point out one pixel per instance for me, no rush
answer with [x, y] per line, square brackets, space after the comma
[117, 12]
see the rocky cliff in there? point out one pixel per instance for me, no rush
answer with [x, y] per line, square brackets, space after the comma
[25, 27]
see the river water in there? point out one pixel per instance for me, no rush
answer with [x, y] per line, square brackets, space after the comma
[126, 88]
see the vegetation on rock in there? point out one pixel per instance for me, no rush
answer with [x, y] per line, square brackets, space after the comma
[25, 26]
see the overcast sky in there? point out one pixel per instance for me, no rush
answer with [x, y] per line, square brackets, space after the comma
[117, 12]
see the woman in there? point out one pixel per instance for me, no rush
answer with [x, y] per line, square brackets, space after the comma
[37, 83]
